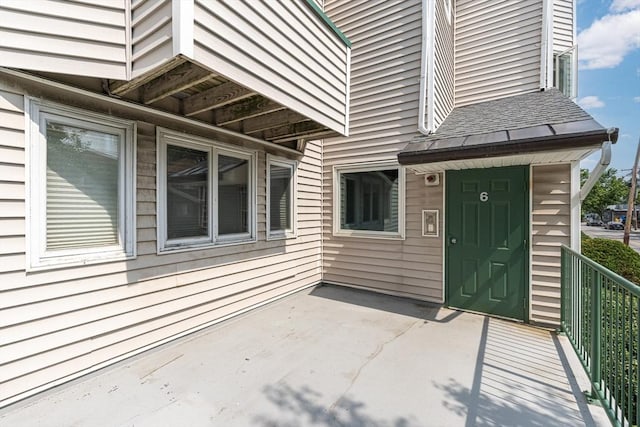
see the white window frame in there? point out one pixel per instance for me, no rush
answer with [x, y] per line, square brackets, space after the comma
[166, 137]
[38, 257]
[292, 165]
[337, 197]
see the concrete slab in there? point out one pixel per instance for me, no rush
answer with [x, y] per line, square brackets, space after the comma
[330, 356]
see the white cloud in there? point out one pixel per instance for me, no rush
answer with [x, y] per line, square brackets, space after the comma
[622, 5]
[609, 39]
[636, 99]
[590, 101]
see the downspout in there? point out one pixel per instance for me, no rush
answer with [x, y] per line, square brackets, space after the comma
[596, 173]
[427, 81]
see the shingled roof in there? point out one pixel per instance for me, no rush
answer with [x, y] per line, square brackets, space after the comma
[533, 122]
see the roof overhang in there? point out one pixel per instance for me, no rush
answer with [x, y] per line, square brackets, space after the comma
[573, 136]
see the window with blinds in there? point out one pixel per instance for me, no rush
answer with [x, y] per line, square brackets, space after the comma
[281, 193]
[81, 186]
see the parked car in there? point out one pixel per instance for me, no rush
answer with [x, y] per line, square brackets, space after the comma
[594, 222]
[612, 225]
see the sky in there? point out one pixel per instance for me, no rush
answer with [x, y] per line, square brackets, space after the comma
[609, 73]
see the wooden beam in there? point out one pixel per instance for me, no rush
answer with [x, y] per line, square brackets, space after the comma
[120, 87]
[173, 81]
[272, 120]
[308, 137]
[296, 130]
[215, 97]
[252, 107]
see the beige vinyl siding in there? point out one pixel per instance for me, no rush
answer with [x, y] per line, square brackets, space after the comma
[444, 63]
[151, 35]
[563, 25]
[59, 322]
[281, 50]
[385, 71]
[551, 228]
[497, 49]
[12, 183]
[410, 268]
[78, 38]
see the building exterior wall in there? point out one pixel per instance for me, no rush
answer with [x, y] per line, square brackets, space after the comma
[444, 69]
[151, 35]
[497, 48]
[279, 49]
[385, 70]
[64, 321]
[551, 228]
[563, 25]
[88, 39]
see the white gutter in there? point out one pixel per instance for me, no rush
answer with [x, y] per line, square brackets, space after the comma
[594, 175]
[427, 80]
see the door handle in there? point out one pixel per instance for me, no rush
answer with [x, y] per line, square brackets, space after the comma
[453, 240]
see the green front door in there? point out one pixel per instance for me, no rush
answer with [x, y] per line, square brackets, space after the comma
[487, 229]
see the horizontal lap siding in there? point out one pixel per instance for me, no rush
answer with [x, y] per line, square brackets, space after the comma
[551, 228]
[151, 35]
[562, 25]
[385, 70]
[444, 64]
[497, 49]
[279, 49]
[86, 39]
[60, 322]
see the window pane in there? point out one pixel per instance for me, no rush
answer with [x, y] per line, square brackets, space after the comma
[280, 198]
[233, 195]
[82, 187]
[187, 192]
[369, 200]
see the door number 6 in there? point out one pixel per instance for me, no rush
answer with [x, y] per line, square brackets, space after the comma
[484, 196]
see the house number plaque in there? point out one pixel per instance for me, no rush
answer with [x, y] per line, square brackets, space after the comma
[484, 196]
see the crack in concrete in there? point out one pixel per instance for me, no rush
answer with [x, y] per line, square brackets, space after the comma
[159, 367]
[368, 360]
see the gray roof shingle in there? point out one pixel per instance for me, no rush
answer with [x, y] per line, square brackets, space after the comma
[537, 121]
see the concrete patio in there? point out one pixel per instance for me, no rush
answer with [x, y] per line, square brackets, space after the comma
[332, 356]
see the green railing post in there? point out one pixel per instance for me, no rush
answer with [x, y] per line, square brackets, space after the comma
[563, 284]
[596, 328]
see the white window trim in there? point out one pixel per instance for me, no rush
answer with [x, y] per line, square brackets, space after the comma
[293, 166]
[166, 137]
[369, 167]
[37, 111]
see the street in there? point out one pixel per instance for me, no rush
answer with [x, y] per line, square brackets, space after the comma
[634, 238]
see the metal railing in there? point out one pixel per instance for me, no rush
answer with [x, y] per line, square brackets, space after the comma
[600, 314]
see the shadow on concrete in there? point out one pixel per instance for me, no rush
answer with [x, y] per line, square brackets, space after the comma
[430, 312]
[302, 406]
[518, 381]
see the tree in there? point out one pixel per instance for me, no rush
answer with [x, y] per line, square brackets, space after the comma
[608, 190]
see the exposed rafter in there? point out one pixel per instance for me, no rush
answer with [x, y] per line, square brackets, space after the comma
[173, 81]
[252, 107]
[271, 120]
[215, 97]
[185, 88]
